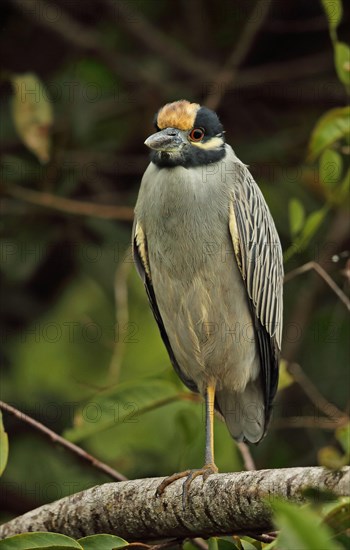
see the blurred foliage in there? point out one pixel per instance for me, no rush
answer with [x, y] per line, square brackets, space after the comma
[303, 528]
[4, 446]
[32, 118]
[55, 540]
[81, 352]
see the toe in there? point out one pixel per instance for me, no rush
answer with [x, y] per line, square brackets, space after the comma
[190, 475]
[208, 470]
[169, 480]
[187, 484]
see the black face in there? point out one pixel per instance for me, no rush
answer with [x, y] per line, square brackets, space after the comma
[204, 143]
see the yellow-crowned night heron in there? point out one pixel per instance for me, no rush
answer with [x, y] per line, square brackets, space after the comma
[209, 255]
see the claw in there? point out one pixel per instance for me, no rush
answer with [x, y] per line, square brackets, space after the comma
[187, 483]
[190, 475]
[168, 480]
[208, 470]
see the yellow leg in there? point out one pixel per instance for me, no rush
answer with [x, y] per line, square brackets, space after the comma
[209, 424]
[209, 466]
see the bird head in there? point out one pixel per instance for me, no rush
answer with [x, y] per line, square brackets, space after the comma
[187, 135]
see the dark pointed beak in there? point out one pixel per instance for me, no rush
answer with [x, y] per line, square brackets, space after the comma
[169, 139]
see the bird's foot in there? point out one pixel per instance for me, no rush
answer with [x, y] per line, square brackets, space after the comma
[190, 475]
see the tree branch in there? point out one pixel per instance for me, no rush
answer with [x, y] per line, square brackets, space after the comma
[278, 72]
[228, 73]
[318, 423]
[308, 296]
[225, 504]
[78, 451]
[329, 409]
[83, 37]
[160, 42]
[70, 206]
[248, 460]
[323, 274]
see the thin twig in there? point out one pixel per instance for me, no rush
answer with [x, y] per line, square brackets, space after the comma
[168, 544]
[248, 460]
[81, 36]
[273, 75]
[346, 272]
[264, 537]
[323, 274]
[70, 206]
[116, 164]
[329, 409]
[78, 451]
[307, 297]
[161, 546]
[160, 42]
[311, 24]
[306, 66]
[199, 543]
[138, 545]
[323, 423]
[228, 73]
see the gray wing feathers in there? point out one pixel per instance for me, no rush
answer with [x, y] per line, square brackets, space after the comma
[260, 254]
[259, 257]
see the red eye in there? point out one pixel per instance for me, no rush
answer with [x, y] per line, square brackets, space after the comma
[197, 134]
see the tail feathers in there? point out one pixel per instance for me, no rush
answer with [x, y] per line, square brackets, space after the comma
[244, 413]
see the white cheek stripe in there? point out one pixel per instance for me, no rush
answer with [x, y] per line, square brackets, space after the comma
[213, 143]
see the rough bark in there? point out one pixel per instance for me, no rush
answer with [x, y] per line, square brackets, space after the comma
[224, 504]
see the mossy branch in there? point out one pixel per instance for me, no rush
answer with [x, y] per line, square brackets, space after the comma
[225, 504]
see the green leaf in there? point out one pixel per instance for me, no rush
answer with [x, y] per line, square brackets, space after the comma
[301, 529]
[187, 545]
[248, 545]
[342, 62]
[4, 446]
[343, 436]
[330, 457]
[331, 166]
[312, 224]
[102, 542]
[124, 405]
[32, 114]
[334, 12]
[310, 228]
[213, 543]
[29, 541]
[285, 379]
[338, 519]
[296, 216]
[223, 543]
[331, 127]
[226, 543]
